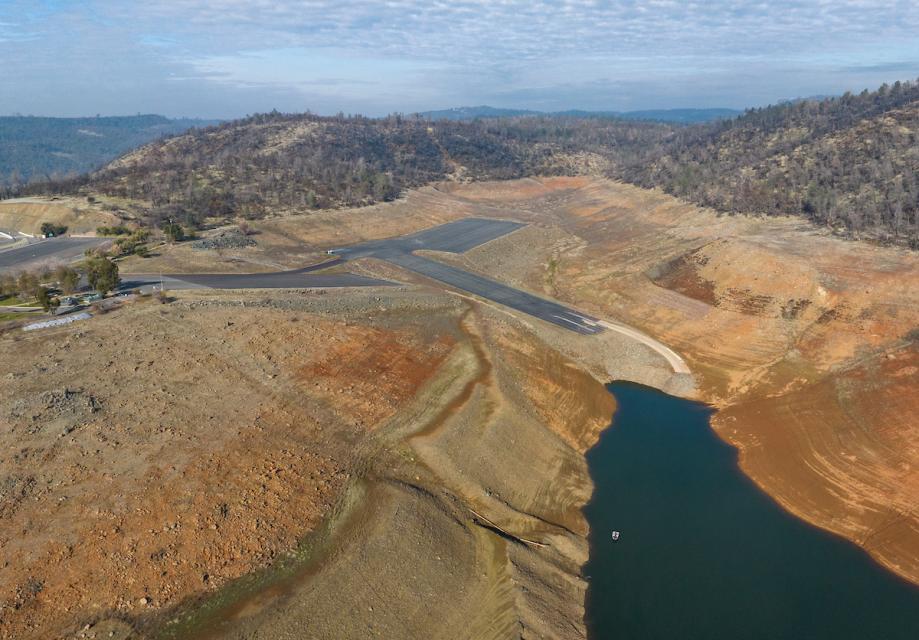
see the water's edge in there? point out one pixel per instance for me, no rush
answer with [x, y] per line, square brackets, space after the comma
[705, 553]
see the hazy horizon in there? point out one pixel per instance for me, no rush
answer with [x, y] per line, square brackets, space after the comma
[227, 58]
[90, 116]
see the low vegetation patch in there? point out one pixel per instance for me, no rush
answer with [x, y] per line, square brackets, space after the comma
[118, 230]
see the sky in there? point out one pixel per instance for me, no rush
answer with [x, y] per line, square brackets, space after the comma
[229, 58]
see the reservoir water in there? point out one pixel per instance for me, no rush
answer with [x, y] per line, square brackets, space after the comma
[704, 554]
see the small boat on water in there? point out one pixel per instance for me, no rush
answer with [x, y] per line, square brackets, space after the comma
[615, 536]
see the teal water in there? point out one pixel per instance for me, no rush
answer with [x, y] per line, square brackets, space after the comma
[705, 554]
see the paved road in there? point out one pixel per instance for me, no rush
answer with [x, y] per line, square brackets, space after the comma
[51, 250]
[458, 237]
[454, 237]
[496, 292]
[295, 279]
[463, 235]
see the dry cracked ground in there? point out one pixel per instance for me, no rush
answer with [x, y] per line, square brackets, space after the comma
[409, 461]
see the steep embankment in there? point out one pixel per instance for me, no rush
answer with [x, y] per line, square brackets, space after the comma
[27, 215]
[808, 356]
[807, 344]
[471, 524]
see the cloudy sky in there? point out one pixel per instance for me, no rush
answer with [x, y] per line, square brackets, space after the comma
[226, 58]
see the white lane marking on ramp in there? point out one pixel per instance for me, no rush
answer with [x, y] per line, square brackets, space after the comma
[590, 322]
[577, 324]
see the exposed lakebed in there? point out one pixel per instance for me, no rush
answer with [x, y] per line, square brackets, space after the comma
[705, 554]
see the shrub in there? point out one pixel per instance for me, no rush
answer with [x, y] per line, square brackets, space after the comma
[27, 284]
[46, 301]
[8, 286]
[174, 232]
[49, 229]
[119, 230]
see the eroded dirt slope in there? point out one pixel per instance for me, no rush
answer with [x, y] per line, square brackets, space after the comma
[162, 450]
[27, 215]
[806, 343]
[472, 526]
[156, 453]
[764, 310]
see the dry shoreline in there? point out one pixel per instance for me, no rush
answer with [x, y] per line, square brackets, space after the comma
[555, 540]
[808, 357]
[427, 479]
[470, 421]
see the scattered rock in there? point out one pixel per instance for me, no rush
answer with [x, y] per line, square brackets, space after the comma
[231, 239]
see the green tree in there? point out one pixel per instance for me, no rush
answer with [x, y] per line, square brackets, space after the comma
[68, 278]
[102, 274]
[174, 232]
[47, 303]
[382, 187]
[125, 246]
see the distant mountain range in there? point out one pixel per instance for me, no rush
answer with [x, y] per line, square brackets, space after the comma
[38, 148]
[679, 116]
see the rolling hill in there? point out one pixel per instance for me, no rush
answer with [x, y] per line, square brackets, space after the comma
[287, 162]
[848, 163]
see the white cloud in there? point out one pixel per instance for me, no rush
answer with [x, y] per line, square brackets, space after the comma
[535, 29]
[406, 54]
